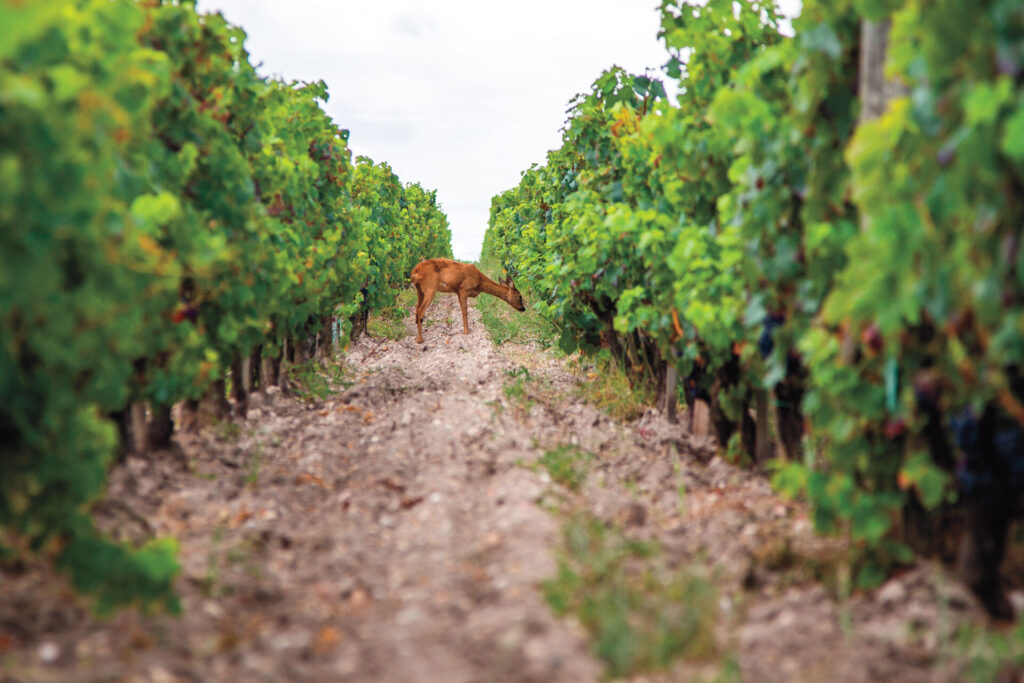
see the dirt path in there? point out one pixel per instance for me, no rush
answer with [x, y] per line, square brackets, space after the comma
[400, 529]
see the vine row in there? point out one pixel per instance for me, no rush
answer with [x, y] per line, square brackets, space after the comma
[166, 212]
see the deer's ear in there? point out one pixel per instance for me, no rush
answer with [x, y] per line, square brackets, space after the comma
[512, 284]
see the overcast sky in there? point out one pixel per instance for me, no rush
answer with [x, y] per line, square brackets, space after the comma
[458, 95]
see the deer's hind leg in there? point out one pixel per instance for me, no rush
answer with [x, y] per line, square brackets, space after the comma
[423, 300]
[416, 313]
[463, 303]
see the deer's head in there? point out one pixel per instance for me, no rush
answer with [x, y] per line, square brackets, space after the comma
[515, 299]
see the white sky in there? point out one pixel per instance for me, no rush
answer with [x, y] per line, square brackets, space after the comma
[458, 95]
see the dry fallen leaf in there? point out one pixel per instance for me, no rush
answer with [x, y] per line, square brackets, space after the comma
[307, 478]
[411, 501]
[393, 485]
[325, 640]
[240, 518]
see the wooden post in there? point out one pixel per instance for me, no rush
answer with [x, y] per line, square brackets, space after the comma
[268, 370]
[299, 346]
[763, 435]
[282, 368]
[214, 405]
[138, 428]
[700, 418]
[239, 392]
[875, 92]
[161, 426]
[253, 372]
[669, 397]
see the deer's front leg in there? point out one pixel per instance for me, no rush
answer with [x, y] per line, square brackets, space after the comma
[464, 303]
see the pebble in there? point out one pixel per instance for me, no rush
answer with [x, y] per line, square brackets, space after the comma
[1017, 600]
[785, 619]
[347, 662]
[291, 640]
[159, 674]
[892, 592]
[409, 615]
[48, 652]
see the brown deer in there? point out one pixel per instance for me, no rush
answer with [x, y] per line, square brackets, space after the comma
[444, 275]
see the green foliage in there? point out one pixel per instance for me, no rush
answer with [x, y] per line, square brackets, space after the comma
[990, 656]
[605, 384]
[505, 324]
[391, 322]
[889, 252]
[163, 209]
[517, 390]
[640, 614]
[310, 382]
[404, 226]
[567, 466]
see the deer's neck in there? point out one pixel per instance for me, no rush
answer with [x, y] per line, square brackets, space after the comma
[488, 286]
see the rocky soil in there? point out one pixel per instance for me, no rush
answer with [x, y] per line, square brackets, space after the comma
[399, 529]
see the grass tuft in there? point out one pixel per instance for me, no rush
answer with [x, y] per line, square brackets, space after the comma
[567, 466]
[639, 614]
[392, 322]
[312, 382]
[607, 386]
[507, 325]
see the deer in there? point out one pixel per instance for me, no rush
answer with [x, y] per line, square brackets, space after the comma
[464, 279]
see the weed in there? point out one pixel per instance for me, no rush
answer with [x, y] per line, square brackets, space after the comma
[340, 374]
[989, 655]
[390, 322]
[227, 430]
[309, 383]
[607, 386]
[209, 583]
[254, 466]
[382, 326]
[517, 392]
[567, 466]
[521, 371]
[640, 615]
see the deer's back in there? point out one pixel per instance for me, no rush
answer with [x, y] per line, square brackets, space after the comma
[446, 269]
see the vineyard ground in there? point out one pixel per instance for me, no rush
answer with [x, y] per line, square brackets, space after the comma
[406, 527]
